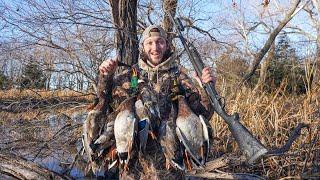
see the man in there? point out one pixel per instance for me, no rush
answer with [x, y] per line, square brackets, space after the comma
[158, 66]
[158, 70]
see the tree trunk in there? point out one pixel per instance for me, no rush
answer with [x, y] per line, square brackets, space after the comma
[124, 13]
[317, 58]
[264, 68]
[169, 6]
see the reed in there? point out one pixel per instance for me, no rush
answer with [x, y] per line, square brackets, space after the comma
[271, 117]
[17, 94]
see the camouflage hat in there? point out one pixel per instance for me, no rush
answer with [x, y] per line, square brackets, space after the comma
[153, 30]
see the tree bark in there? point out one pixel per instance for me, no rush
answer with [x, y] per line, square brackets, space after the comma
[124, 13]
[169, 6]
[317, 59]
[264, 67]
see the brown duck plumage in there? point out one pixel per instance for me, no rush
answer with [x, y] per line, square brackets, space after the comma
[192, 133]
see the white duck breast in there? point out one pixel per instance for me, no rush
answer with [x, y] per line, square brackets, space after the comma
[192, 132]
[192, 129]
[124, 130]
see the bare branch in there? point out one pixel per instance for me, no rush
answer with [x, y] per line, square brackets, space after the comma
[259, 56]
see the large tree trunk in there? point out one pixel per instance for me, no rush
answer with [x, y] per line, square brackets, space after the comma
[124, 13]
[317, 59]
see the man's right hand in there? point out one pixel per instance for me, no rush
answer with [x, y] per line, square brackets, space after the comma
[108, 67]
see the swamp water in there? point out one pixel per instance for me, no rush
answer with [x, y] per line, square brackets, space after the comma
[52, 143]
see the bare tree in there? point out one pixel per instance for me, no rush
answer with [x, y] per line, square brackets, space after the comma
[259, 56]
[169, 6]
[77, 33]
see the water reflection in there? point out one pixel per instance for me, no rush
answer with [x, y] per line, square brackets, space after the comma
[52, 143]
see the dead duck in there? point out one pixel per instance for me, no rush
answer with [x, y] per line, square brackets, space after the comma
[147, 112]
[92, 129]
[143, 125]
[170, 144]
[104, 146]
[193, 135]
[95, 121]
[125, 129]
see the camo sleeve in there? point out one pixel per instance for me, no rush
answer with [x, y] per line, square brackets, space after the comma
[196, 96]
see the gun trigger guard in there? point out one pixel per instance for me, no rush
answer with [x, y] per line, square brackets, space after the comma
[222, 101]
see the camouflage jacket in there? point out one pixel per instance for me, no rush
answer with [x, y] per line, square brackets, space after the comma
[164, 79]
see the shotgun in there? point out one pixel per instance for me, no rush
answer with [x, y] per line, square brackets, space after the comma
[252, 147]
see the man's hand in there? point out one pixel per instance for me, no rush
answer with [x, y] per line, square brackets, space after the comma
[207, 76]
[108, 67]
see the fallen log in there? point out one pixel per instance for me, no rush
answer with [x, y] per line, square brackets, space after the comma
[20, 168]
[225, 175]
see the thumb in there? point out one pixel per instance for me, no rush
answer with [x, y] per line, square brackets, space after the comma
[196, 77]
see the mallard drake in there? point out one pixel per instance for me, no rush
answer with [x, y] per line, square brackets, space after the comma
[125, 129]
[193, 135]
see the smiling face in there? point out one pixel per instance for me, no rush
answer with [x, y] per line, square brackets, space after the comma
[154, 48]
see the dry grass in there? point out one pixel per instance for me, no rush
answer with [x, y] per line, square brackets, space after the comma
[43, 94]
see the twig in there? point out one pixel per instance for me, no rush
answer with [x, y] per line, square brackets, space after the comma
[222, 162]
[290, 177]
[47, 142]
[294, 135]
[73, 162]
